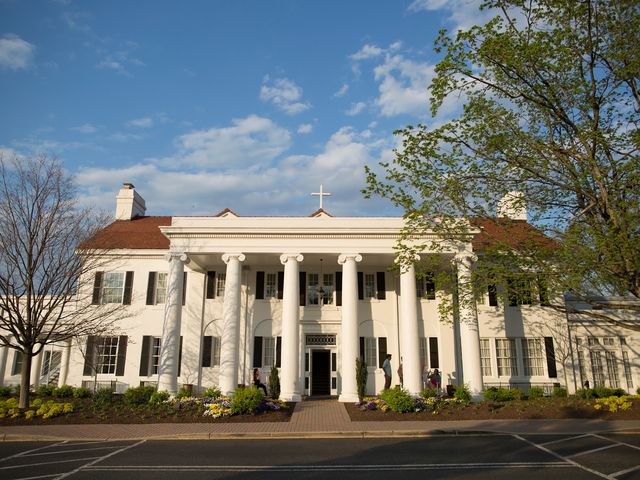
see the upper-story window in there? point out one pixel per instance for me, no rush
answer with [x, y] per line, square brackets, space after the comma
[157, 288]
[426, 287]
[320, 293]
[112, 287]
[270, 285]
[221, 279]
[369, 285]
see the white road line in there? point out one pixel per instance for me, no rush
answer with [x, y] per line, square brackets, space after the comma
[70, 451]
[47, 463]
[563, 440]
[619, 443]
[20, 454]
[99, 459]
[566, 459]
[628, 470]
[34, 478]
[587, 452]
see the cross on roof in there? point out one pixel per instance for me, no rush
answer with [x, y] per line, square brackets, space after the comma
[321, 194]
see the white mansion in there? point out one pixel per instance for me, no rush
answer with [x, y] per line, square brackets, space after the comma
[211, 298]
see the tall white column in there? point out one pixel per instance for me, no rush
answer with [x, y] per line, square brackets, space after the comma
[349, 332]
[290, 381]
[4, 355]
[64, 363]
[469, 331]
[409, 332]
[170, 346]
[230, 323]
[36, 367]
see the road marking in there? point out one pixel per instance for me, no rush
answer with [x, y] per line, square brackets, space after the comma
[99, 459]
[70, 451]
[561, 457]
[47, 463]
[34, 478]
[628, 470]
[586, 452]
[20, 454]
[619, 443]
[566, 439]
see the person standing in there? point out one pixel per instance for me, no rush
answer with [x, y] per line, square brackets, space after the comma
[386, 367]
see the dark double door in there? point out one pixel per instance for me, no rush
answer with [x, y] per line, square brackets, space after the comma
[320, 372]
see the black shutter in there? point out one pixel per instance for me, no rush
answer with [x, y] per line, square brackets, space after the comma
[259, 285]
[257, 352]
[278, 351]
[128, 286]
[433, 353]
[493, 295]
[382, 350]
[97, 287]
[151, 288]
[89, 360]
[122, 354]
[206, 351]
[184, 288]
[382, 290]
[543, 291]
[211, 285]
[144, 357]
[551, 357]
[180, 356]
[361, 348]
[280, 285]
[360, 286]
[303, 289]
[429, 286]
[339, 289]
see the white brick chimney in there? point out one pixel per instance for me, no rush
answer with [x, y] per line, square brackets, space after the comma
[513, 206]
[129, 204]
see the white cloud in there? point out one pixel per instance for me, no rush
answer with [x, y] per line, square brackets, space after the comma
[120, 59]
[463, 14]
[305, 128]
[124, 137]
[247, 141]
[87, 128]
[15, 53]
[144, 122]
[343, 90]
[356, 108]
[366, 52]
[284, 94]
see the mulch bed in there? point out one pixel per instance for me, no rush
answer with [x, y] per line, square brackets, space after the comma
[84, 413]
[544, 408]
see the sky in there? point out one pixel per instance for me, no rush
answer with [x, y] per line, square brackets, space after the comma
[205, 105]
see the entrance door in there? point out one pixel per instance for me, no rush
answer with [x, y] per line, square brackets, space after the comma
[320, 372]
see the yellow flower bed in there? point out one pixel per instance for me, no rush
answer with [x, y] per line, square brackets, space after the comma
[37, 408]
[613, 404]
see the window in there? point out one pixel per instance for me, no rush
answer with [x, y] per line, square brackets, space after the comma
[597, 369]
[211, 351]
[16, 369]
[268, 351]
[157, 288]
[328, 287]
[532, 357]
[581, 364]
[155, 355]
[426, 287]
[506, 357]
[424, 353]
[519, 290]
[492, 292]
[312, 288]
[220, 281]
[371, 351]
[612, 369]
[627, 370]
[112, 287]
[105, 355]
[270, 285]
[317, 291]
[51, 362]
[485, 357]
[107, 348]
[609, 341]
[369, 285]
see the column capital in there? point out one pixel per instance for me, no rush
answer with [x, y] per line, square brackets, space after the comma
[342, 259]
[228, 256]
[462, 257]
[181, 256]
[284, 258]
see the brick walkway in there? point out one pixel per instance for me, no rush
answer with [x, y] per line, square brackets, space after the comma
[311, 418]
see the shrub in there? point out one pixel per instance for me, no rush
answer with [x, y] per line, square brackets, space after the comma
[45, 390]
[398, 400]
[535, 392]
[638, 391]
[159, 397]
[501, 394]
[361, 377]
[246, 400]
[584, 393]
[429, 392]
[604, 392]
[65, 391]
[212, 392]
[274, 383]
[462, 393]
[6, 391]
[559, 392]
[103, 398]
[138, 395]
[81, 392]
[185, 392]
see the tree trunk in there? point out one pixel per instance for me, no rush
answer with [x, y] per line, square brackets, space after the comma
[25, 380]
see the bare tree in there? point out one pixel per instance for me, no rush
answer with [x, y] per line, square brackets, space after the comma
[43, 260]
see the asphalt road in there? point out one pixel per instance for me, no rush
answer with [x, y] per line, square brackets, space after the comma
[613, 456]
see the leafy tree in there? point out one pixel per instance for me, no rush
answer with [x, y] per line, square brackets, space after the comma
[361, 377]
[549, 107]
[42, 261]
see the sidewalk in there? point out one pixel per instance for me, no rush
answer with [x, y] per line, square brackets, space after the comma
[310, 419]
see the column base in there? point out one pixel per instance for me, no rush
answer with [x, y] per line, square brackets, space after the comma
[348, 398]
[290, 397]
[166, 385]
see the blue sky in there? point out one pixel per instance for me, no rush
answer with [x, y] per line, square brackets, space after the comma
[204, 105]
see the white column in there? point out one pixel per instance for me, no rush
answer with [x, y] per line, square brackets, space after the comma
[409, 332]
[469, 331]
[170, 346]
[36, 367]
[349, 333]
[230, 323]
[4, 355]
[64, 363]
[290, 381]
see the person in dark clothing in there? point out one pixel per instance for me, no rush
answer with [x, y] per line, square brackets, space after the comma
[257, 382]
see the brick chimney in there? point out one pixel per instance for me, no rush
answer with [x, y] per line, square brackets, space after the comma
[129, 204]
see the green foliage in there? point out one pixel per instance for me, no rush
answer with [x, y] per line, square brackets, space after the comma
[245, 400]
[81, 392]
[535, 392]
[45, 390]
[398, 400]
[559, 392]
[585, 393]
[274, 383]
[158, 398]
[361, 377]
[501, 394]
[65, 391]
[138, 395]
[638, 391]
[103, 398]
[429, 393]
[462, 393]
[184, 392]
[211, 392]
[6, 391]
[50, 409]
[605, 392]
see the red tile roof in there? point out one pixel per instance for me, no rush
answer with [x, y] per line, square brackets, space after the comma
[517, 234]
[140, 232]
